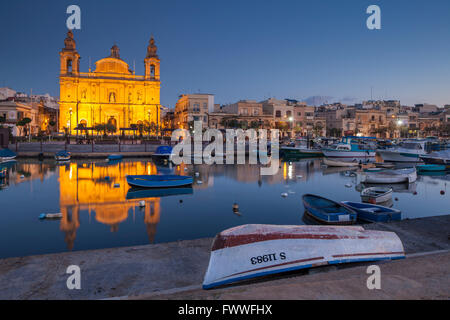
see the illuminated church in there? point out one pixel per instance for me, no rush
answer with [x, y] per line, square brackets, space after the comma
[111, 94]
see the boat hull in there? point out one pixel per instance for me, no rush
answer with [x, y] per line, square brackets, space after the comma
[163, 181]
[337, 163]
[332, 153]
[260, 250]
[327, 211]
[300, 152]
[377, 214]
[376, 195]
[389, 176]
[393, 156]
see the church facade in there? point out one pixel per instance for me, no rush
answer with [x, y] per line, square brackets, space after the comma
[110, 95]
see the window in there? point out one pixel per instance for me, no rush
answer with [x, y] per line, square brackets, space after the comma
[255, 112]
[152, 71]
[288, 114]
[299, 114]
[69, 66]
[278, 114]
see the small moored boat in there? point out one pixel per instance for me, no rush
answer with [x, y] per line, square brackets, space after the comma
[159, 181]
[114, 157]
[3, 173]
[51, 215]
[376, 195]
[390, 176]
[7, 155]
[337, 163]
[374, 213]
[327, 211]
[251, 251]
[430, 167]
[62, 155]
[163, 153]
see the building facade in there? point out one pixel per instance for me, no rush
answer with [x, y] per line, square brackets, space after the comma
[193, 107]
[112, 94]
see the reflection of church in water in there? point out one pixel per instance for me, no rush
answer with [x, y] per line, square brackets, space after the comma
[84, 187]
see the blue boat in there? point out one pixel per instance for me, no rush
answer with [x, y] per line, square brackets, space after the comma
[327, 211]
[115, 157]
[373, 213]
[140, 193]
[163, 153]
[159, 181]
[62, 155]
[431, 167]
[7, 155]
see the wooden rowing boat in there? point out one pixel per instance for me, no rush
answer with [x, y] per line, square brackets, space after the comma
[390, 176]
[159, 181]
[251, 251]
[376, 195]
[373, 213]
[327, 211]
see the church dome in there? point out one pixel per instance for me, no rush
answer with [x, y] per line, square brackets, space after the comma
[113, 63]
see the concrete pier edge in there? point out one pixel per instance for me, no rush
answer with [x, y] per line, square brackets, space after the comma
[175, 270]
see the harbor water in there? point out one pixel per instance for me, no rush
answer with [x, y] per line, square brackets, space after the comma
[99, 210]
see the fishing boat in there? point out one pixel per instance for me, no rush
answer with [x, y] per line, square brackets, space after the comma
[62, 155]
[431, 167]
[439, 157]
[50, 216]
[163, 153]
[251, 251]
[376, 195]
[407, 151]
[327, 211]
[338, 163]
[140, 193]
[7, 155]
[114, 157]
[352, 148]
[373, 213]
[159, 181]
[300, 149]
[408, 175]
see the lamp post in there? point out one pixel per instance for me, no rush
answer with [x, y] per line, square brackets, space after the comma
[70, 121]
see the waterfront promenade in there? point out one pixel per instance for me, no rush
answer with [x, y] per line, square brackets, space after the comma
[175, 271]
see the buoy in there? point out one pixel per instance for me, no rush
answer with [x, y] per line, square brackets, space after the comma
[199, 181]
[197, 174]
[235, 207]
[142, 203]
[415, 193]
[284, 194]
[116, 185]
[396, 199]
[107, 178]
[181, 200]
[348, 185]
[442, 192]
[22, 176]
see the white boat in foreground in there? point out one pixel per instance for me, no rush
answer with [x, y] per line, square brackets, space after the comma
[251, 251]
[387, 176]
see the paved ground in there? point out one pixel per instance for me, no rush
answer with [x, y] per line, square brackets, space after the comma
[175, 270]
[423, 277]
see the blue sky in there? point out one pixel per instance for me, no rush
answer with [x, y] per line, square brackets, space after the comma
[243, 49]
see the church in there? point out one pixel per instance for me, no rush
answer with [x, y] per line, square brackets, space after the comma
[111, 94]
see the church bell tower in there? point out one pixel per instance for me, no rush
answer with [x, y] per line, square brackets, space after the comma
[152, 62]
[69, 57]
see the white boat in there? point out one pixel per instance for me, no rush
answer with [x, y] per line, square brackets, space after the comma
[438, 157]
[406, 151]
[58, 215]
[7, 155]
[352, 148]
[408, 175]
[376, 195]
[339, 163]
[251, 251]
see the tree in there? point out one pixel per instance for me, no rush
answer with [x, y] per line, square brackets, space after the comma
[111, 128]
[100, 127]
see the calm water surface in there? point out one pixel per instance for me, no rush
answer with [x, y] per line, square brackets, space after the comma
[96, 214]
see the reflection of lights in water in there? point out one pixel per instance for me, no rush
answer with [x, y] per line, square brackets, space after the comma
[70, 173]
[290, 171]
[285, 171]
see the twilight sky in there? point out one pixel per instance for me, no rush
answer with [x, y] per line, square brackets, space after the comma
[243, 49]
